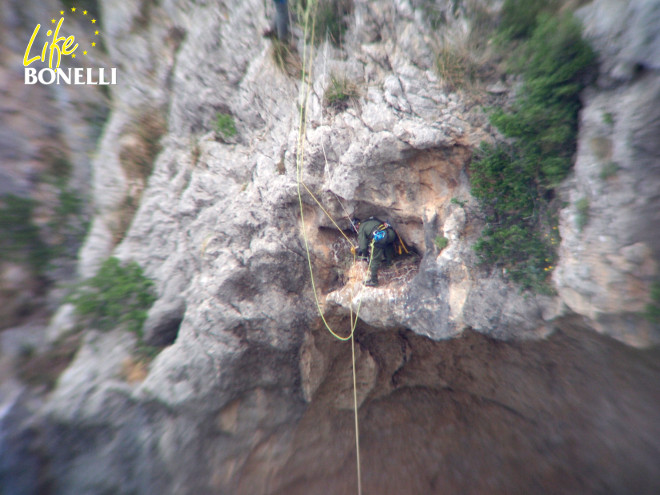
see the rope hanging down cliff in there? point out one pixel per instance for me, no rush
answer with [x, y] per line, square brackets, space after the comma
[300, 155]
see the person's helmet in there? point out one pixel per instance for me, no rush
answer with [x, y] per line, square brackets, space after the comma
[355, 223]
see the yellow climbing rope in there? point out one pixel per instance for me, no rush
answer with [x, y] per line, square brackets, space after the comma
[300, 157]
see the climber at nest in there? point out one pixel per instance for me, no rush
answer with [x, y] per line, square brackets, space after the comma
[380, 237]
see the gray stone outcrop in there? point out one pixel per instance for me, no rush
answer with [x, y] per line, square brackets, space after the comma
[611, 227]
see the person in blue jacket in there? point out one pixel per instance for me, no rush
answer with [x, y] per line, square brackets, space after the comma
[383, 236]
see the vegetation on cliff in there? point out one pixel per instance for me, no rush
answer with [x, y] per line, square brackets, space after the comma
[515, 179]
[116, 295]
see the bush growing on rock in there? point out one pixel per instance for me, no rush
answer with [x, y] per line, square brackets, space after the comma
[544, 118]
[224, 124]
[519, 17]
[515, 182]
[116, 295]
[441, 242]
[341, 91]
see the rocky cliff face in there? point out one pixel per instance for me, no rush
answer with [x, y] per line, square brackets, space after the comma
[250, 394]
[609, 256]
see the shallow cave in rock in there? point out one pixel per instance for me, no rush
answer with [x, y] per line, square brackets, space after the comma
[576, 413]
[334, 266]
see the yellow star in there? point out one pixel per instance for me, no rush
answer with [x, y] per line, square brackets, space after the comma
[53, 21]
[96, 32]
[85, 52]
[61, 12]
[93, 21]
[73, 55]
[93, 44]
[84, 12]
[73, 9]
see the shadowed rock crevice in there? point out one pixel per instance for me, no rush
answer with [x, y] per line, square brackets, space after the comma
[335, 265]
[163, 322]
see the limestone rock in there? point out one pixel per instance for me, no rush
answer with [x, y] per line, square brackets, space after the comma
[637, 40]
[217, 225]
[610, 229]
[62, 322]
[82, 391]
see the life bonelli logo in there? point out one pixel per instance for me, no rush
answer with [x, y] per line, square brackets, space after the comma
[55, 46]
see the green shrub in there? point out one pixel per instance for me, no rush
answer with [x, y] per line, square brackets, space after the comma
[501, 183]
[519, 17]
[544, 118]
[526, 254]
[224, 124]
[441, 242]
[514, 182]
[116, 295]
[340, 93]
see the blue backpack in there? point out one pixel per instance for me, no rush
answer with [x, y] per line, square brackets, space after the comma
[380, 234]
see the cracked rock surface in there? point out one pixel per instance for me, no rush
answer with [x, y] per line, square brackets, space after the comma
[465, 384]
